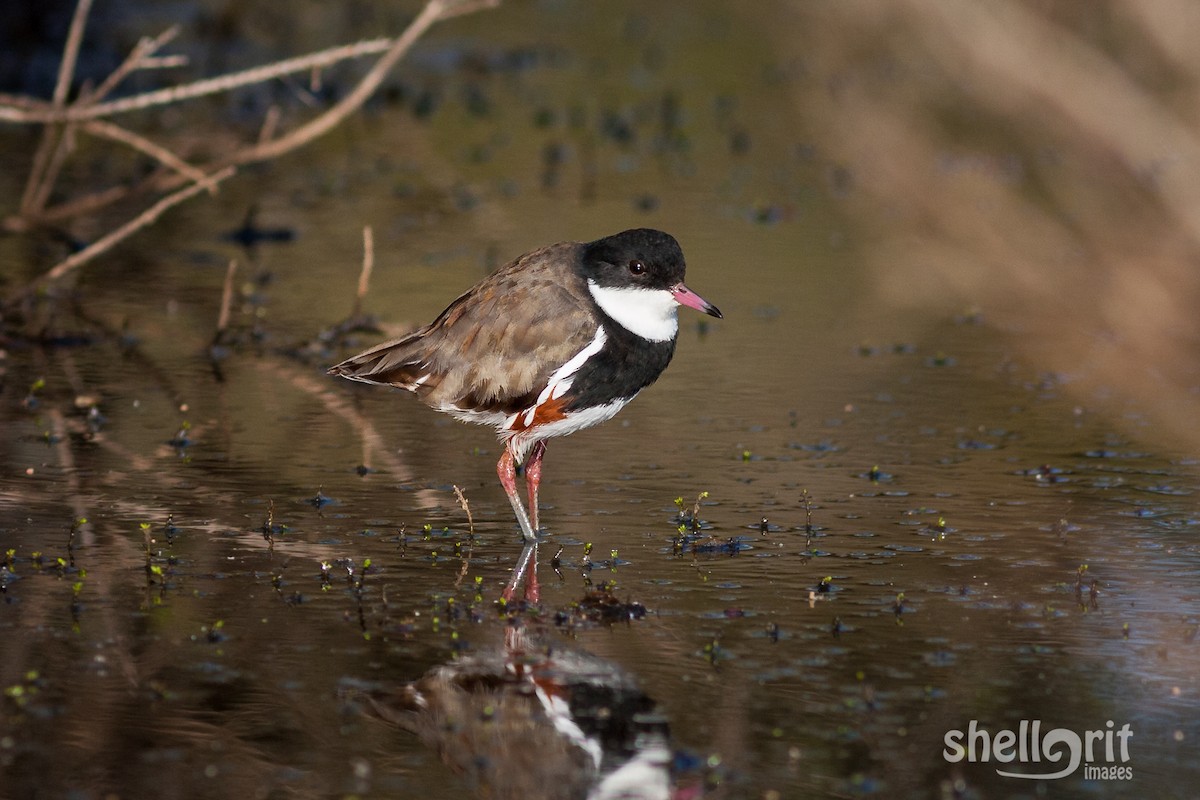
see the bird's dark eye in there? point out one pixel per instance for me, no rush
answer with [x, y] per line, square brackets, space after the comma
[636, 267]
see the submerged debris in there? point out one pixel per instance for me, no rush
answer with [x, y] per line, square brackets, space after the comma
[705, 544]
[599, 606]
[320, 500]
[251, 233]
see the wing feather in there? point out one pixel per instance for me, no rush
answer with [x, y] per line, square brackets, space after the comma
[495, 347]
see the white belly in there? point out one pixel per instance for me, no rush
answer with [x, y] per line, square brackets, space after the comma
[520, 441]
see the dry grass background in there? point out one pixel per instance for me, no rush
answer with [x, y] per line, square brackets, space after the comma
[1038, 160]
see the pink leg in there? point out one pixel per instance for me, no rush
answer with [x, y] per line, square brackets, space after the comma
[506, 468]
[533, 477]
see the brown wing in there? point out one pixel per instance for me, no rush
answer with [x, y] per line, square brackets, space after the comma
[495, 347]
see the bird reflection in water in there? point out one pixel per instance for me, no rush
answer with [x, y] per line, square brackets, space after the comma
[540, 719]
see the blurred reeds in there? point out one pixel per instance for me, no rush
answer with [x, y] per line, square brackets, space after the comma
[1040, 161]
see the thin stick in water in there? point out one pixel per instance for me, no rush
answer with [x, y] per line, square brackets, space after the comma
[364, 277]
[226, 298]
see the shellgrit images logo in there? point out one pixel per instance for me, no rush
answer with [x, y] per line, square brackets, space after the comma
[1057, 753]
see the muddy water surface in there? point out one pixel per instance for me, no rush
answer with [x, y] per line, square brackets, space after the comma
[904, 519]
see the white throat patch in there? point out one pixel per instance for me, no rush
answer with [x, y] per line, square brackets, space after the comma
[649, 313]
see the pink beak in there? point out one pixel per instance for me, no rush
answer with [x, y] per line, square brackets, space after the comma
[686, 297]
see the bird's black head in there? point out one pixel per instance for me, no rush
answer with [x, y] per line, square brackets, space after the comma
[636, 278]
[642, 258]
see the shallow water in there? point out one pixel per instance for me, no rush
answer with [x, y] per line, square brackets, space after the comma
[912, 516]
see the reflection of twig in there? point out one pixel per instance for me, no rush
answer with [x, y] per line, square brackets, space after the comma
[61, 441]
[133, 353]
[808, 525]
[338, 404]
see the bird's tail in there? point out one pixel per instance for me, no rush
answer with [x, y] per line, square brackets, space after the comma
[400, 363]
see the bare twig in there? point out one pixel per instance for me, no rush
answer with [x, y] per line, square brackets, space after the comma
[270, 123]
[20, 101]
[66, 70]
[28, 112]
[116, 133]
[352, 101]
[466, 560]
[466, 507]
[139, 58]
[41, 157]
[364, 277]
[52, 167]
[226, 298]
[147, 217]
[51, 145]
[72, 208]
[164, 62]
[456, 8]
[88, 110]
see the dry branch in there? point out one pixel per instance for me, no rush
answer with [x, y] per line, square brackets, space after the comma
[30, 111]
[140, 58]
[226, 299]
[59, 143]
[52, 148]
[107, 130]
[62, 121]
[262, 151]
[66, 70]
[368, 264]
[147, 217]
